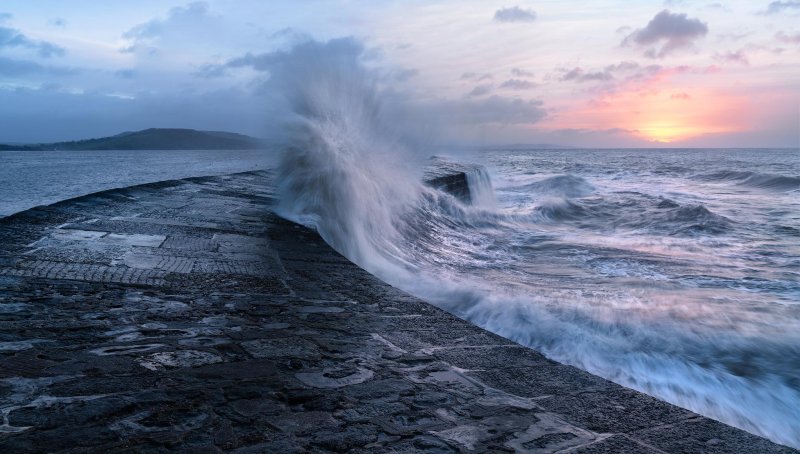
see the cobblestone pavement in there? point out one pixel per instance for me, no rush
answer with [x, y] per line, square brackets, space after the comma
[186, 316]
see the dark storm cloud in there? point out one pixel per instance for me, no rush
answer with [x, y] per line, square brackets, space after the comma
[514, 14]
[779, 7]
[10, 37]
[517, 84]
[667, 30]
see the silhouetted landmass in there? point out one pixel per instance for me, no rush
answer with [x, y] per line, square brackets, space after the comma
[153, 139]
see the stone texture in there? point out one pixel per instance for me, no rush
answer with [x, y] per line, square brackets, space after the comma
[186, 316]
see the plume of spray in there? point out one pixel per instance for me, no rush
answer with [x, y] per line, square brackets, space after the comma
[345, 168]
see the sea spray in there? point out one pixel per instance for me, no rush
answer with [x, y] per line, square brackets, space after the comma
[344, 169]
[592, 269]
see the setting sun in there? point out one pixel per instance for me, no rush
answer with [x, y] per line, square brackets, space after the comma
[667, 131]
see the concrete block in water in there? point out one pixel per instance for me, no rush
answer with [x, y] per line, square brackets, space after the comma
[469, 183]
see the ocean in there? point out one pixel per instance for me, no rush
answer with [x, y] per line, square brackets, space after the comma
[31, 178]
[673, 272]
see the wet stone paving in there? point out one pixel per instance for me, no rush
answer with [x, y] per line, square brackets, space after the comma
[185, 316]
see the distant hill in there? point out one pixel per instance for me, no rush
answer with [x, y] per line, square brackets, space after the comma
[153, 139]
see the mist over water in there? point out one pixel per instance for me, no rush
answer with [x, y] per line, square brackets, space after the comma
[673, 272]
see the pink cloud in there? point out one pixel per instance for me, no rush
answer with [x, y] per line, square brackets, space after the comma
[734, 57]
[789, 39]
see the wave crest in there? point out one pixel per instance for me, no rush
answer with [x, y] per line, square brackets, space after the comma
[753, 179]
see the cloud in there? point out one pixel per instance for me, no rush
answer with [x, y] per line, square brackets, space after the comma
[683, 96]
[57, 22]
[17, 68]
[579, 75]
[156, 27]
[402, 75]
[789, 39]
[517, 72]
[779, 7]
[476, 76]
[493, 110]
[211, 71]
[125, 73]
[480, 90]
[346, 54]
[517, 84]
[344, 51]
[514, 14]
[10, 37]
[667, 30]
[181, 28]
[734, 57]
[622, 66]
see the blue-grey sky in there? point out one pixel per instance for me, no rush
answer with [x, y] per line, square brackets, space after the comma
[587, 73]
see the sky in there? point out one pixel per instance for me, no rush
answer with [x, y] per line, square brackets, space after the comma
[602, 73]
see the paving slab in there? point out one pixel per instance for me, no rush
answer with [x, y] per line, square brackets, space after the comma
[187, 316]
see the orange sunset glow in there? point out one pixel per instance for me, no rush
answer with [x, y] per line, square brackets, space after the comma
[658, 115]
[638, 74]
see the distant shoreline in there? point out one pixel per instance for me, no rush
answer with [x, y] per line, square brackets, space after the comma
[151, 139]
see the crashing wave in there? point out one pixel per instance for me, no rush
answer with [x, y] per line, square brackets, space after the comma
[346, 171]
